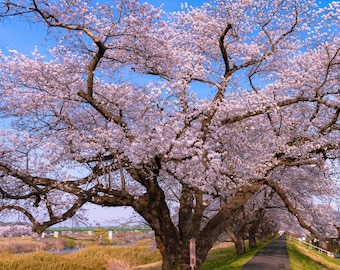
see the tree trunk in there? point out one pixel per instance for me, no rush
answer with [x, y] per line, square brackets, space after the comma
[252, 232]
[239, 246]
[180, 258]
[252, 240]
[238, 240]
[169, 254]
[254, 226]
[173, 241]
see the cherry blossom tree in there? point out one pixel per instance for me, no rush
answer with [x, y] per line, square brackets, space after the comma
[111, 115]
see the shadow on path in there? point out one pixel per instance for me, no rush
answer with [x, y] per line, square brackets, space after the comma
[274, 256]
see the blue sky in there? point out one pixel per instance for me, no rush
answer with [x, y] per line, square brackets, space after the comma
[19, 35]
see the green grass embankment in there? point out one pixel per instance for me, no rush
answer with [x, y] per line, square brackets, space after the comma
[304, 258]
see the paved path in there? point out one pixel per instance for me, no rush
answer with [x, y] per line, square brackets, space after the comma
[273, 256]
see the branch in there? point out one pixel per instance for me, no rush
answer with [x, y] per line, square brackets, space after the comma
[331, 122]
[218, 223]
[223, 48]
[99, 108]
[93, 65]
[220, 92]
[48, 184]
[282, 194]
[19, 209]
[283, 103]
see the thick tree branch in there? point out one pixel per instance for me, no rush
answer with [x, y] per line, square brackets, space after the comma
[283, 195]
[223, 48]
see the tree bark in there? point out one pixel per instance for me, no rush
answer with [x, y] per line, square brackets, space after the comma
[169, 255]
[252, 240]
[237, 238]
[254, 226]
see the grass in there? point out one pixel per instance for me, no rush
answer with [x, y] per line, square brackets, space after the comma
[303, 258]
[40, 261]
[224, 258]
[90, 258]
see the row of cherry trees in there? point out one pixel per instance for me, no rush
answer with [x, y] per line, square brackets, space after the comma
[203, 121]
